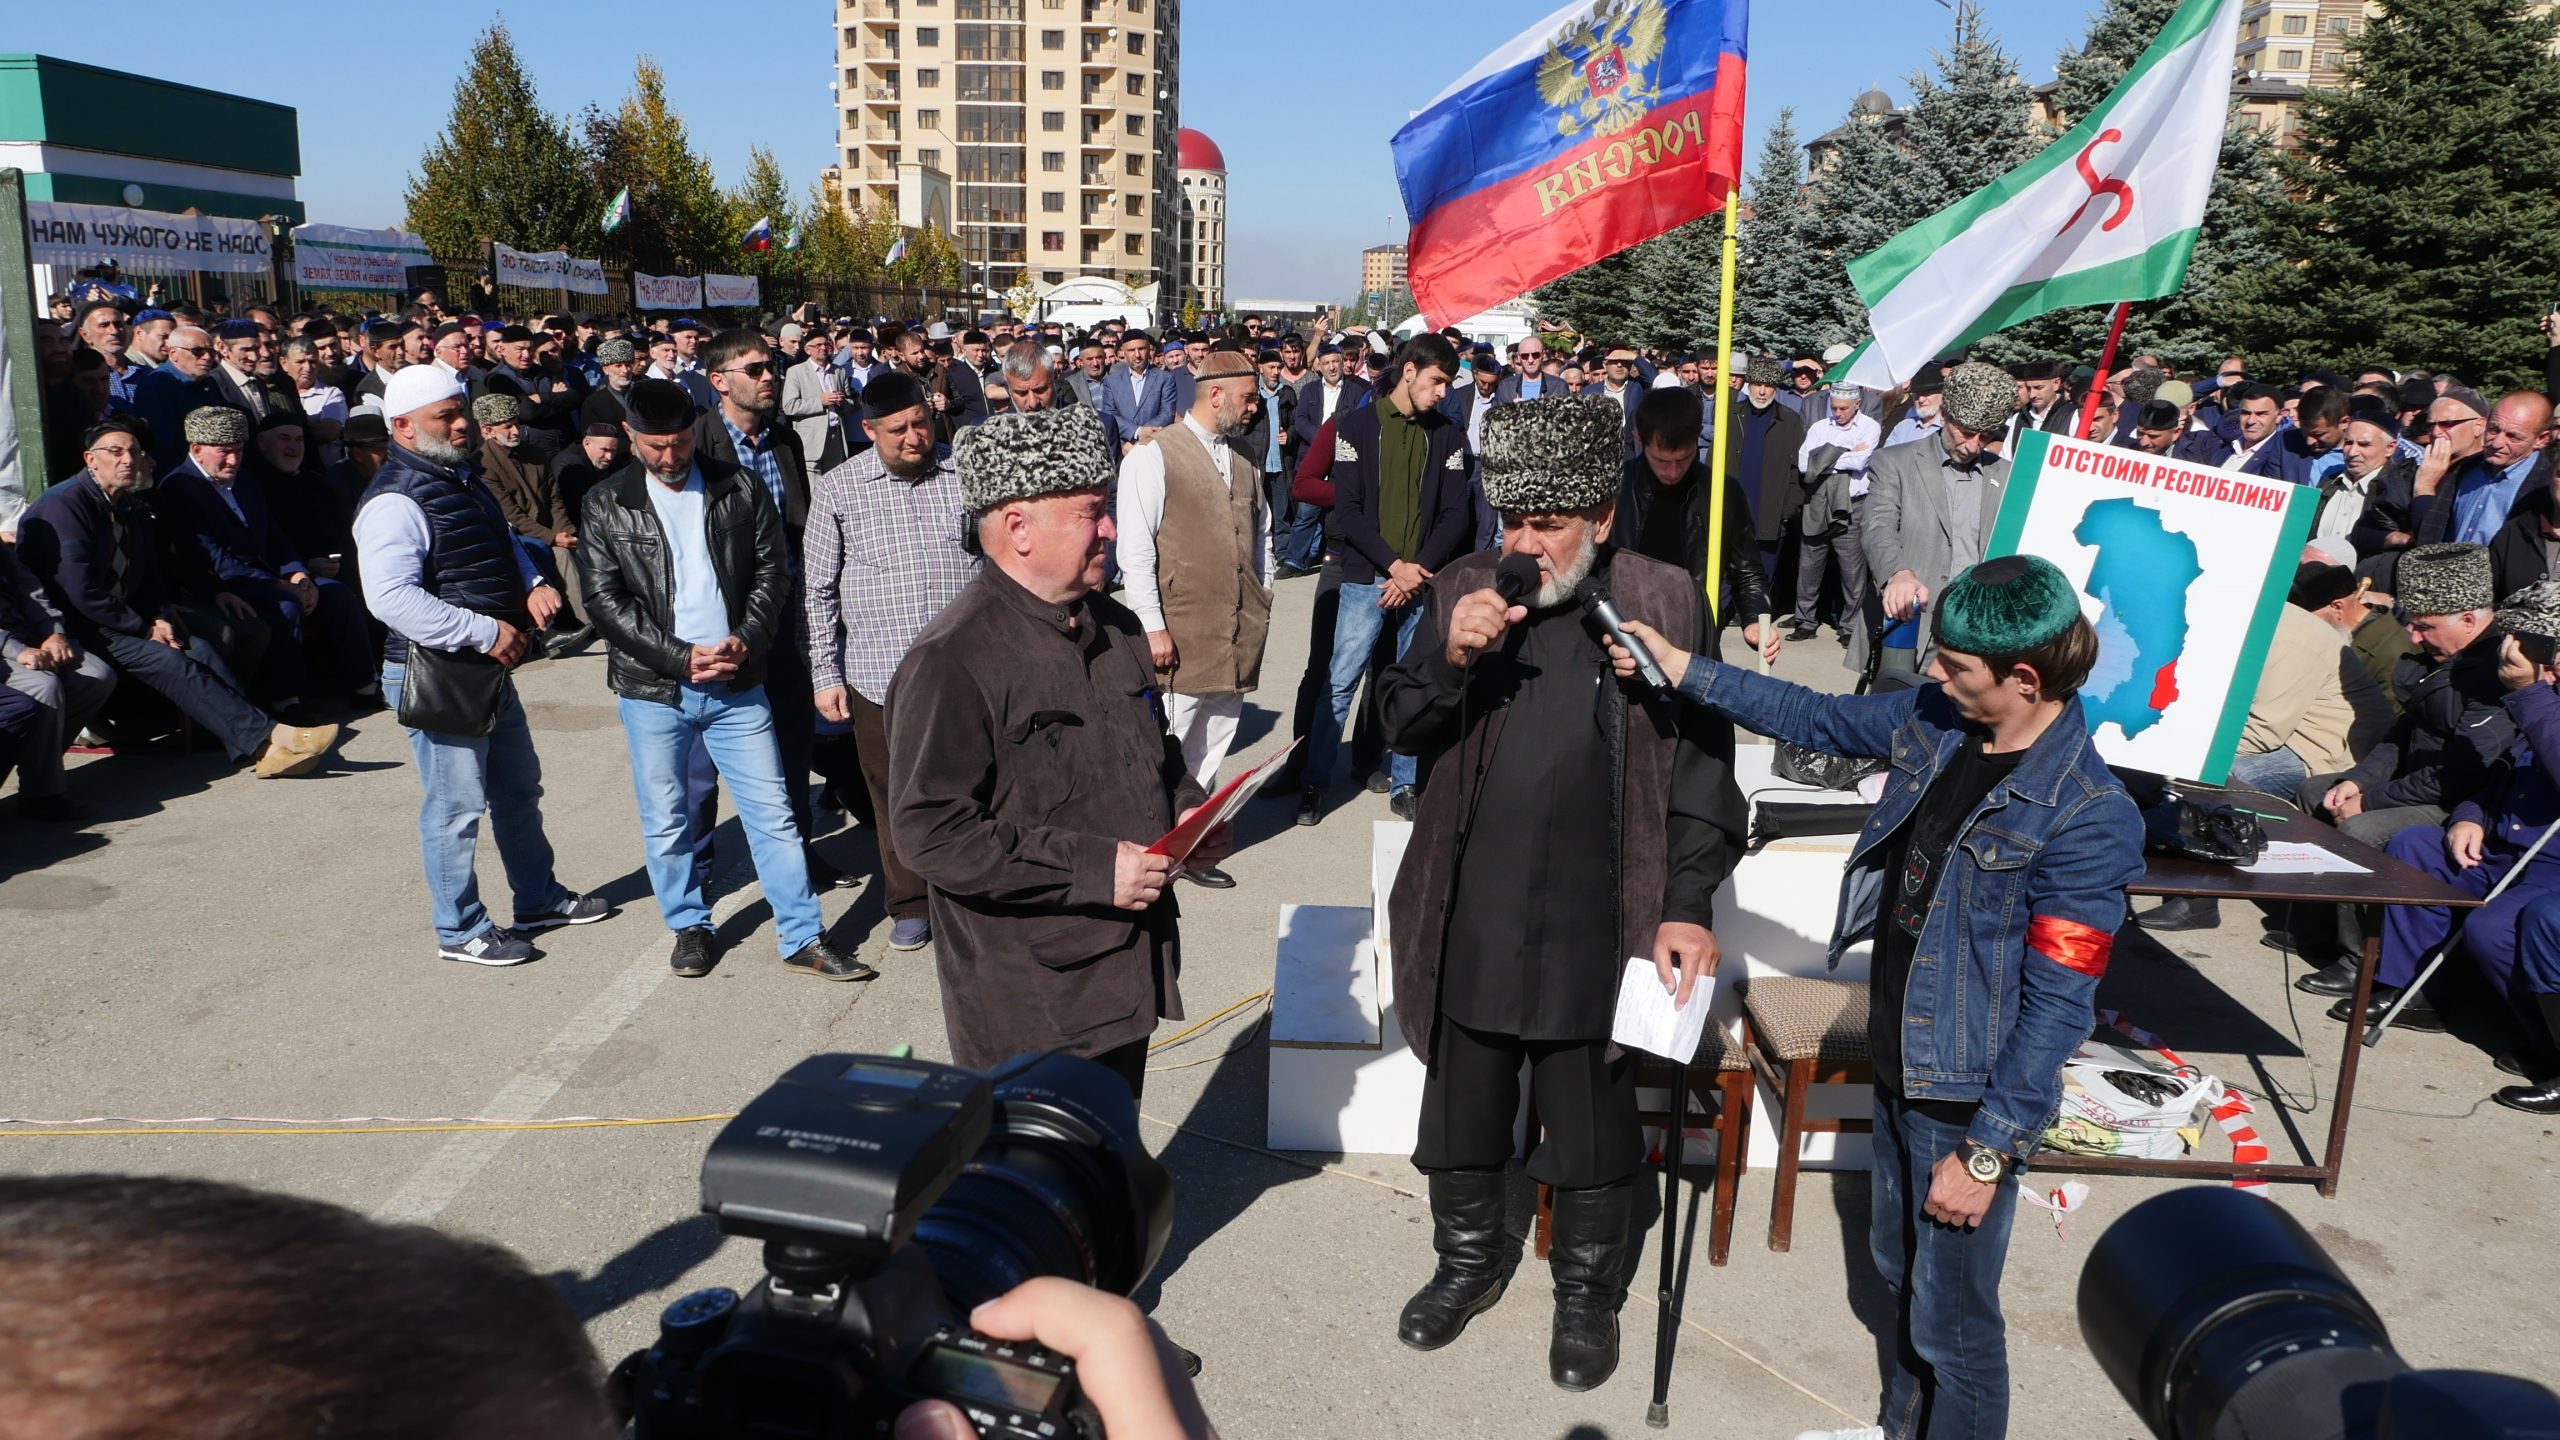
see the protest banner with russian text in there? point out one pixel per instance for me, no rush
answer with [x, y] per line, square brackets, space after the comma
[547, 270]
[59, 234]
[341, 257]
[2183, 569]
[731, 290]
[666, 292]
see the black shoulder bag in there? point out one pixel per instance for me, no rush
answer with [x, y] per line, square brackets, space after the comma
[451, 692]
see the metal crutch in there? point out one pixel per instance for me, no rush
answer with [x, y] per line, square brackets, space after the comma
[2436, 957]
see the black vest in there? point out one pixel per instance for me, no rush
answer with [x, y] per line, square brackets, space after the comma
[471, 554]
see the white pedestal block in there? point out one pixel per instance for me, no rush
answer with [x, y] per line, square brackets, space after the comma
[1342, 1080]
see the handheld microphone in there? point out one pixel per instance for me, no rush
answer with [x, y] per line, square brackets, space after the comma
[1603, 616]
[1515, 579]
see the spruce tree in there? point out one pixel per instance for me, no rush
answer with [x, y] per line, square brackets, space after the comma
[1862, 198]
[831, 249]
[1678, 276]
[679, 219]
[2421, 218]
[503, 168]
[1970, 122]
[1785, 289]
[1595, 300]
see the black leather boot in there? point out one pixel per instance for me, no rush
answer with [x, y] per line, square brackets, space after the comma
[1589, 1262]
[1476, 1254]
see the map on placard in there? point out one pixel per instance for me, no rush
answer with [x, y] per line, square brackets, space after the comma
[2182, 570]
[2140, 580]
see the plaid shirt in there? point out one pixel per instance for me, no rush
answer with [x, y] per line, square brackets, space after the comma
[758, 455]
[882, 557]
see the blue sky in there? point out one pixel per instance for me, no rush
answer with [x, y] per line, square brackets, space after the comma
[1301, 96]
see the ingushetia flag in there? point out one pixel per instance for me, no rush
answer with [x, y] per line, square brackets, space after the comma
[617, 210]
[1598, 128]
[2107, 213]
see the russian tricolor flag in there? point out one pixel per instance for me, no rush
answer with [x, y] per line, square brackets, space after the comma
[760, 234]
[1600, 127]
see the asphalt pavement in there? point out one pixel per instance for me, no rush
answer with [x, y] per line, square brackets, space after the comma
[216, 946]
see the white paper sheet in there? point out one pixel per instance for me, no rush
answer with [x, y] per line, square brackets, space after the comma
[2293, 857]
[1648, 1021]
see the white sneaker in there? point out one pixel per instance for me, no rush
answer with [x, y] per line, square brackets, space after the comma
[1855, 1432]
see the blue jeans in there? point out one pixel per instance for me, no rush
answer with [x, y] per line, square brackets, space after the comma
[464, 776]
[2278, 772]
[1356, 625]
[738, 731]
[1950, 1378]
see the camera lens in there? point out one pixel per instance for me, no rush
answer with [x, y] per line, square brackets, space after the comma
[1061, 1187]
[2217, 1315]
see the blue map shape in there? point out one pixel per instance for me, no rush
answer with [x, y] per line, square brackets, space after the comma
[2143, 572]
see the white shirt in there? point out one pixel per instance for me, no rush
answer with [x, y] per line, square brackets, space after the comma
[1857, 440]
[1330, 396]
[1140, 515]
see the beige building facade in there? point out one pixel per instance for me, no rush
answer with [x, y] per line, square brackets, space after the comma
[1055, 121]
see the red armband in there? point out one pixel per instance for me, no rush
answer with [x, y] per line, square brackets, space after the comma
[2070, 944]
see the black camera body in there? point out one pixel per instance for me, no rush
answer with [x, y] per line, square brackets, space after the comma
[893, 1196]
[2218, 1317]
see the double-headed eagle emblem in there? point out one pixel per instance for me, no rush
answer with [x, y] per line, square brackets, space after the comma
[1599, 70]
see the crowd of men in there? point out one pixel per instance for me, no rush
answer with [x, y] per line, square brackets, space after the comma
[1000, 593]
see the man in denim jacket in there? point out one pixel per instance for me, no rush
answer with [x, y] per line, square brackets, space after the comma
[1992, 876]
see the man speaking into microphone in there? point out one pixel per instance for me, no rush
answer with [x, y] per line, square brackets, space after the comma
[1577, 822]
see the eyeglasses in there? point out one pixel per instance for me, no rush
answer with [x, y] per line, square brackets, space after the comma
[193, 349]
[2440, 421]
[120, 452]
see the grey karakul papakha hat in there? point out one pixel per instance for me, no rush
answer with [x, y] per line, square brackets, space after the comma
[216, 425]
[2533, 610]
[1979, 397]
[1028, 454]
[1554, 454]
[2445, 580]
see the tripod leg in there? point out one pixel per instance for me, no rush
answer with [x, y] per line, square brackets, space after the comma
[1667, 1315]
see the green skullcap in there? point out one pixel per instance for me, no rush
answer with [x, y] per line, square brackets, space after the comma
[2006, 607]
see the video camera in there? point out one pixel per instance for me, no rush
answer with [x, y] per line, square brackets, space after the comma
[2219, 1317]
[1035, 1169]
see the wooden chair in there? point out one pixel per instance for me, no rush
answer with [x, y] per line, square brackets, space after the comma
[1798, 1033]
[1719, 1100]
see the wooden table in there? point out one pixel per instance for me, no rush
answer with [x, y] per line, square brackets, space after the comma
[2387, 882]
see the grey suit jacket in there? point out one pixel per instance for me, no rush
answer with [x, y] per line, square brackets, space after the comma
[1910, 505]
[804, 405]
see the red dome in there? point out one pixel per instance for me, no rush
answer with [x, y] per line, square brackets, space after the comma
[1199, 152]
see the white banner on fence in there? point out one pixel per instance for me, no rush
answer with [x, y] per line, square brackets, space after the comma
[548, 270]
[341, 257]
[666, 292]
[730, 290]
[144, 239]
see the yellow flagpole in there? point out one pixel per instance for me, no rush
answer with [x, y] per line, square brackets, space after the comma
[1724, 405]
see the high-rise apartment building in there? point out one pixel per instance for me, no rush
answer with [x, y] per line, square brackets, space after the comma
[1055, 120]
[1382, 270]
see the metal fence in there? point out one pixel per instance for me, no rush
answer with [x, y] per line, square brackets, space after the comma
[454, 278]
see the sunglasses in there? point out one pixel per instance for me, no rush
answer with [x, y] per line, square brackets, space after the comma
[753, 369]
[193, 349]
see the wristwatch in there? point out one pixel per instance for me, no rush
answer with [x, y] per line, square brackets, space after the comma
[1982, 1162]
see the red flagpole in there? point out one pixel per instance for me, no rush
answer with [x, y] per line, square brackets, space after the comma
[2106, 363]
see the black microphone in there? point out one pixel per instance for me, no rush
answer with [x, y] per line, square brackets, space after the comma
[1515, 579]
[1603, 616]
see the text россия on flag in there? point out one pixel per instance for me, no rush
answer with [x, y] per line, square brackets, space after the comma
[1600, 127]
[2107, 213]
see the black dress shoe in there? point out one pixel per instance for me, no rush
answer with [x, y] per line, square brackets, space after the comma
[1403, 803]
[367, 701]
[1310, 806]
[1377, 783]
[2181, 912]
[824, 876]
[2539, 1098]
[1800, 633]
[1209, 877]
[2525, 1065]
[694, 953]
[2338, 977]
[2420, 1016]
[828, 963]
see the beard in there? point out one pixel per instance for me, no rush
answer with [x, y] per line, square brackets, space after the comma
[1559, 590]
[445, 452]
